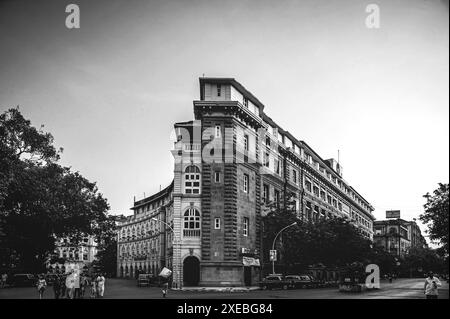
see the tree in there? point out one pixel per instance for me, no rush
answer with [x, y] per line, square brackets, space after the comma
[436, 215]
[107, 248]
[333, 242]
[40, 200]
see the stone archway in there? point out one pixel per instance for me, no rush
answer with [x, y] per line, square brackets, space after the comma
[191, 271]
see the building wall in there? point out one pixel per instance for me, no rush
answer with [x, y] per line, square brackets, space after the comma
[284, 167]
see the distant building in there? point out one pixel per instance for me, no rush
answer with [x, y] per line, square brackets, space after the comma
[415, 236]
[84, 253]
[398, 236]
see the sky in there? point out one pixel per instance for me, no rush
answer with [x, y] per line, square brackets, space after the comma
[111, 90]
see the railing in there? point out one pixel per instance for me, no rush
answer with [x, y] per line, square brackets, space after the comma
[191, 232]
[192, 147]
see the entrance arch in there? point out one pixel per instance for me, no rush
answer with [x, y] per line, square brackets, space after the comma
[191, 271]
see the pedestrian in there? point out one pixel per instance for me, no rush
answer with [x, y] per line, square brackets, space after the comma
[62, 281]
[165, 286]
[4, 279]
[83, 284]
[431, 286]
[57, 287]
[93, 287]
[41, 285]
[70, 286]
[100, 285]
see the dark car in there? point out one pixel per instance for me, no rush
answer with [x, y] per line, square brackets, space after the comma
[23, 280]
[300, 281]
[274, 282]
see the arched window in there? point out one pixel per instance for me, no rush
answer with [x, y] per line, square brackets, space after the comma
[191, 223]
[192, 180]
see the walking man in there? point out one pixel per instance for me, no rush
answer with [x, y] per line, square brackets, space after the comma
[100, 285]
[431, 286]
[57, 287]
[41, 285]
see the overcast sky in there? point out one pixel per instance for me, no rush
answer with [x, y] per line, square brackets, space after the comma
[110, 91]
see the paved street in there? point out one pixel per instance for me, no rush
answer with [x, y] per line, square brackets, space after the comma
[126, 289]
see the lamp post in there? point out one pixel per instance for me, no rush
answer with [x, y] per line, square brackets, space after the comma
[176, 242]
[273, 244]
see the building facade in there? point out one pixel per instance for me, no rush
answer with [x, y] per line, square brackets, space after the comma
[398, 236]
[231, 163]
[144, 240]
[85, 252]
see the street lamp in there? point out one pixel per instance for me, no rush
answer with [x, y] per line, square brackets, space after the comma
[176, 242]
[273, 244]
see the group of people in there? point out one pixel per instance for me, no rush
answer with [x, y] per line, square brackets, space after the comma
[69, 287]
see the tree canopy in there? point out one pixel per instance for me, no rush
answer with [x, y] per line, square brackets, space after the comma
[40, 200]
[436, 215]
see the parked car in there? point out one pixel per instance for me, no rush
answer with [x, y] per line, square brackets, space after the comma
[273, 282]
[23, 280]
[143, 280]
[300, 281]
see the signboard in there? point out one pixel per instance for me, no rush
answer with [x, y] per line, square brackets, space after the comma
[273, 255]
[392, 214]
[250, 261]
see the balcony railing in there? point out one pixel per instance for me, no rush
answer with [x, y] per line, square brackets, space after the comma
[191, 232]
[192, 147]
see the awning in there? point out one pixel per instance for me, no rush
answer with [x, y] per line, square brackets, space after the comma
[250, 261]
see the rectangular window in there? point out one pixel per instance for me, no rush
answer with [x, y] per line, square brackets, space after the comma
[277, 197]
[308, 185]
[246, 147]
[245, 183]
[217, 177]
[316, 190]
[267, 141]
[265, 193]
[322, 195]
[245, 229]
[219, 90]
[217, 223]
[266, 160]
[294, 176]
[245, 102]
[217, 132]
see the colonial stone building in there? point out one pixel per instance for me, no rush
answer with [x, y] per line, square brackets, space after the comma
[398, 236]
[231, 162]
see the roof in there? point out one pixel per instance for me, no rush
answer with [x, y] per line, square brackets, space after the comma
[153, 197]
[238, 86]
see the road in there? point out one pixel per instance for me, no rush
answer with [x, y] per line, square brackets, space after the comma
[126, 289]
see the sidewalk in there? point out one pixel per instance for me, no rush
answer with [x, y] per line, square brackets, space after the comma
[219, 289]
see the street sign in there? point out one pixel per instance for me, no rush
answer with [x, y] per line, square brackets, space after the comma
[392, 214]
[273, 255]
